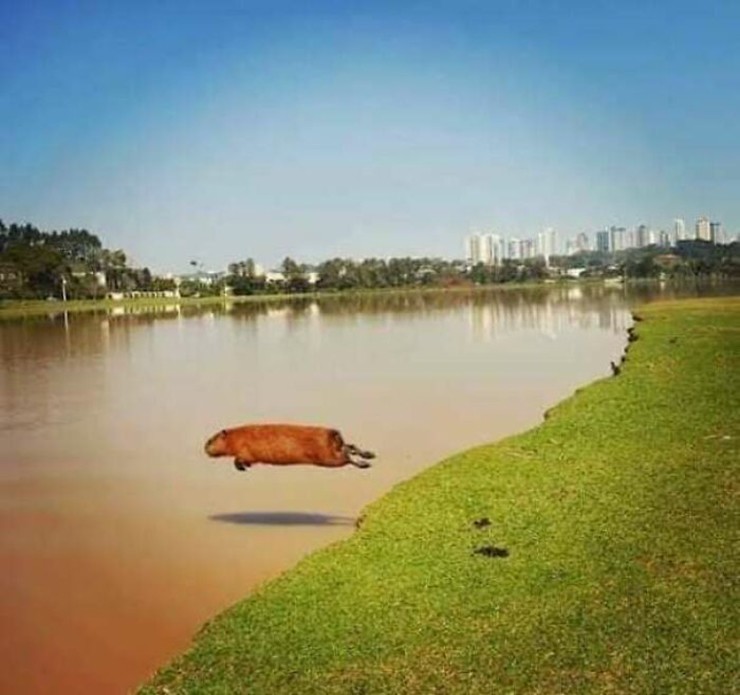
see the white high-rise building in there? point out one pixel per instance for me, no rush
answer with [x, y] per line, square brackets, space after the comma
[617, 238]
[527, 248]
[716, 233]
[484, 248]
[603, 241]
[582, 242]
[679, 229]
[498, 249]
[703, 229]
[475, 251]
[641, 236]
[547, 244]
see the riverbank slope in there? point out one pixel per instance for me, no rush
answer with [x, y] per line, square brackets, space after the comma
[611, 562]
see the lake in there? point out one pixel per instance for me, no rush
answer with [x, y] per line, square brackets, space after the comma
[119, 537]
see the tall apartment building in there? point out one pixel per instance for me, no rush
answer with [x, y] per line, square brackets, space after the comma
[603, 239]
[716, 233]
[484, 248]
[617, 239]
[641, 236]
[547, 243]
[644, 236]
[703, 229]
[472, 252]
[679, 229]
[498, 249]
[582, 242]
[528, 249]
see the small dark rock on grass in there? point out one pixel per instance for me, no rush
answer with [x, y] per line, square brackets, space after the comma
[482, 523]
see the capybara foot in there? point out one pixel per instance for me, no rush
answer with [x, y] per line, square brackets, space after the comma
[241, 465]
[360, 464]
[352, 449]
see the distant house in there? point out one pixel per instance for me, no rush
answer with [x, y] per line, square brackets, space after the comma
[100, 279]
[10, 277]
[144, 294]
[667, 260]
[277, 276]
[204, 277]
[272, 276]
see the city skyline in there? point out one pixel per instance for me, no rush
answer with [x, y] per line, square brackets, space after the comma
[491, 247]
[181, 131]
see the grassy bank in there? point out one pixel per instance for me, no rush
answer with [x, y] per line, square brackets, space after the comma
[614, 528]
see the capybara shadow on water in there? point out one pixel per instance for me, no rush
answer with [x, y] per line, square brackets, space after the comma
[286, 445]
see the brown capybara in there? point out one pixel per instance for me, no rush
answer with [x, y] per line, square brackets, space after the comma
[285, 445]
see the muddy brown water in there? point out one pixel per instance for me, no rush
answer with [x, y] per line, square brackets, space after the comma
[119, 537]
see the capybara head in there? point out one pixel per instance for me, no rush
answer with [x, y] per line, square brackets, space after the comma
[217, 444]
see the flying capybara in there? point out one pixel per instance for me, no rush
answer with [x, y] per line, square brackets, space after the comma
[285, 445]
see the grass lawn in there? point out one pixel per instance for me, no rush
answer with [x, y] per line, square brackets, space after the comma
[619, 515]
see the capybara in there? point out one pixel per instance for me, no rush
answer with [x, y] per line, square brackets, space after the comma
[285, 445]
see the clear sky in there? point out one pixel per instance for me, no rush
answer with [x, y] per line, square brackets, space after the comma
[219, 131]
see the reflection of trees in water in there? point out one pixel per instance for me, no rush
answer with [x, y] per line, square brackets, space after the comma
[544, 308]
[418, 302]
[91, 333]
[641, 291]
[39, 338]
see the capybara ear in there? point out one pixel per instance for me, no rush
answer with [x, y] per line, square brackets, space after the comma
[223, 432]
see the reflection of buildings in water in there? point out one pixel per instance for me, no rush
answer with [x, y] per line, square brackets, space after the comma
[606, 318]
[550, 317]
[163, 310]
[275, 312]
[105, 334]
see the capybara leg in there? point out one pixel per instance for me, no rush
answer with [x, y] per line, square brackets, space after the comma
[241, 465]
[352, 449]
[360, 464]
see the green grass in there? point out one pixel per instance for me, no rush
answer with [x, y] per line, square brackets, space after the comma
[620, 516]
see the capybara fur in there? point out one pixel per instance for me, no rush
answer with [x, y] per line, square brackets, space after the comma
[285, 445]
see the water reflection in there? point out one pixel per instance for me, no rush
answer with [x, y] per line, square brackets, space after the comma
[84, 335]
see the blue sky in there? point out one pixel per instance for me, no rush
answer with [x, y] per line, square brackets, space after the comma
[220, 131]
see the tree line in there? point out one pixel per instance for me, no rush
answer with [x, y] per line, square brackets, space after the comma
[691, 258]
[342, 274]
[35, 264]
